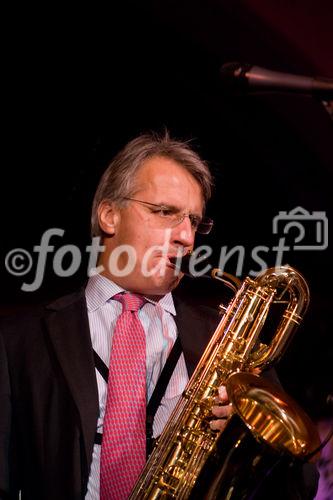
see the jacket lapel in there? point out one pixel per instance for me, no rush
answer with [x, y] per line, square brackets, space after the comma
[196, 325]
[68, 327]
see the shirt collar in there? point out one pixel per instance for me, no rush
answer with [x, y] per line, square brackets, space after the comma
[100, 289]
[166, 302]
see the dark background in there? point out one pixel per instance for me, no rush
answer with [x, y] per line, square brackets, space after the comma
[79, 83]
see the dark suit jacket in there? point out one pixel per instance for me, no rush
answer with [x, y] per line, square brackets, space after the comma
[49, 399]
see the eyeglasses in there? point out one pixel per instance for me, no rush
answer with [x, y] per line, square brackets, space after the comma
[170, 216]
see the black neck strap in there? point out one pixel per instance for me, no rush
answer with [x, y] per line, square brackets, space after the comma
[159, 391]
[101, 367]
[157, 395]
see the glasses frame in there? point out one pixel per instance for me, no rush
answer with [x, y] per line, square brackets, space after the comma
[206, 223]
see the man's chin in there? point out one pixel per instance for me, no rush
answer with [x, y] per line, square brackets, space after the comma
[164, 285]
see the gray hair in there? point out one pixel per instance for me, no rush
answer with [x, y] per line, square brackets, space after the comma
[118, 180]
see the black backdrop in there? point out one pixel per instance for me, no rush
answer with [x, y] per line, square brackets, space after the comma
[79, 83]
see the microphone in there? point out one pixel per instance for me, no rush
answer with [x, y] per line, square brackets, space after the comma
[249, 78]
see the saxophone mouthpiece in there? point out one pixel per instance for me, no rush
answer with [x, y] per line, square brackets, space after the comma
[182, 263]
[193, 265]
[198, 266]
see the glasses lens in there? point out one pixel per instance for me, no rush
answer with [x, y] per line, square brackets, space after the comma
[205, 226]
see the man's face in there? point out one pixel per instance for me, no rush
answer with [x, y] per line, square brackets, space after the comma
[160, 181]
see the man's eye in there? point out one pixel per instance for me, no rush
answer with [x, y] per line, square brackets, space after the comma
[195, 221]
[165, 212]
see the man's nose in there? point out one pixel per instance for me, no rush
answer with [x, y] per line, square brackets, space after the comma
[184, 233]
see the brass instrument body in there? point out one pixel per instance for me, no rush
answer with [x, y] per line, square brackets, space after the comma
[187, 440]
[268, 432]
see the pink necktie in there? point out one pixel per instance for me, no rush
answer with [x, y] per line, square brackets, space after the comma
[123, 452]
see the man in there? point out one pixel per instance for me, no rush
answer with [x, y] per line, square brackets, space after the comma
[71, 429]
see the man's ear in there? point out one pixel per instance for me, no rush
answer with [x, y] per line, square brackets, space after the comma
[108, 216]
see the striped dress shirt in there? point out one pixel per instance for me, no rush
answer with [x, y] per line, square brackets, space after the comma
[161, 332]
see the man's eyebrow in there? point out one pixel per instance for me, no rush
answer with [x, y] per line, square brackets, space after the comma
[177, 209]
[168, 205]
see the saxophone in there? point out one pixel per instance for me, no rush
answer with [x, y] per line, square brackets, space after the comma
[181, 463]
